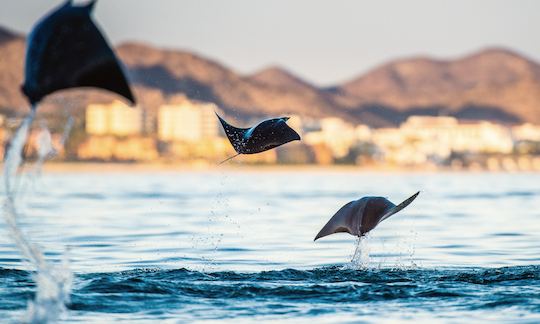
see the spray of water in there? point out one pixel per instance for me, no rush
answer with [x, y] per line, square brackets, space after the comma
[404, 245]
[360, 258]
[46, 150]
[13, 157]
[53, 282]
[409, 241]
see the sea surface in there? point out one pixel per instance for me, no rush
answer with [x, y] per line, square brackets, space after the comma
[236, 245]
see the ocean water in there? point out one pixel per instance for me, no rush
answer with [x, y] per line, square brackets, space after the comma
[238, 246]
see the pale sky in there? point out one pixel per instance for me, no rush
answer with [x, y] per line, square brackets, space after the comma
[325, 42]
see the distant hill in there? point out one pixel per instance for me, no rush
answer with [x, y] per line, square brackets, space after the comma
[493, 84]
[7, 35]
[11, 69]
[173, 71]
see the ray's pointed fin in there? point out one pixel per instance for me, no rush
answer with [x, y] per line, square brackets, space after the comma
[235, 135]
[339, 223]
[399, 207]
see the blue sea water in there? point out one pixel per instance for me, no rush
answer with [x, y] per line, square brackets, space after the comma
[238, 246]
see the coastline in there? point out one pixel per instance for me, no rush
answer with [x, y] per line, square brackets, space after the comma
[118, 167]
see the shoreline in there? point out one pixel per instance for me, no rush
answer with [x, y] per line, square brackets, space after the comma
[118, 167]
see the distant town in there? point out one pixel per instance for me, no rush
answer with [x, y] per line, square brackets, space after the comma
[188, 132]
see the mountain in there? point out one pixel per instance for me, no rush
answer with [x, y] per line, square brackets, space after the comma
[278, 77]
[11, 67]
[7, 35]
[173, 71]
[493, 84]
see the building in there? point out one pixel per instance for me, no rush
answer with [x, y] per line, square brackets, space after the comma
[421, 139]
[111, 148]
[295, 122]
[115, 118]
[526, 132]
[187, 121]
[338, 135]
[481, 137]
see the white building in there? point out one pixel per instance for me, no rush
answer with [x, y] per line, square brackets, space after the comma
[187, 121]
[483, 136]
[337, 134]
[526, 132]
[115, 118]
[420, 138]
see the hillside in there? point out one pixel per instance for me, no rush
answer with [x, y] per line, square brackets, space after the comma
[493, 84]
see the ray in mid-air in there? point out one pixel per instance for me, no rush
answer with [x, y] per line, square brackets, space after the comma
[360, 216]
[67, 50]
[265, 136]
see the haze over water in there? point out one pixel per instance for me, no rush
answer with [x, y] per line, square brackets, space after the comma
[220, 244]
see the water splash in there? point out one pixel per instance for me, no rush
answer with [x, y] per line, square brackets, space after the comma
[53, 282]
[44, 142]
[408, 258]
[52, 294]
[13, 157]
[360, 258]
[210, 239]
[406, 245]
[46, 151]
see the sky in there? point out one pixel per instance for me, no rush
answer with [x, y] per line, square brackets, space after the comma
[325, 42]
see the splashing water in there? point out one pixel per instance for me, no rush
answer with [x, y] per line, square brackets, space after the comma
[360, 257]
[53, 282]
[404, 247]
[212, 239]
[361, 260]
[14, 154]
[45, 152]
[407, 249]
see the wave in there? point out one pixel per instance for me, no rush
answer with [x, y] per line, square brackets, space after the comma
[321, 291]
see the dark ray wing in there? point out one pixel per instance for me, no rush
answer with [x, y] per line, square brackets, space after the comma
[342, 221]
[399, 207]
[235, 135]
[270, 134]
[67, 50]
[375, 208]
[266, 135]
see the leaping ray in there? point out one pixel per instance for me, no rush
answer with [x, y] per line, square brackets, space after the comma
[361, 216]
[265, 136]
[67, 50]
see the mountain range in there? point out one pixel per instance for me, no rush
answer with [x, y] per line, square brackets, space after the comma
[492, 84]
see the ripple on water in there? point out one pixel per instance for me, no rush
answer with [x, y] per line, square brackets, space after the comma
[175, 293]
